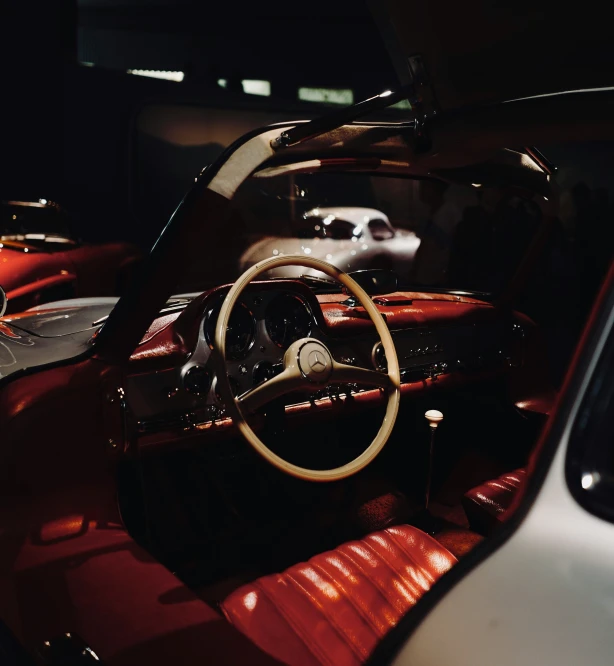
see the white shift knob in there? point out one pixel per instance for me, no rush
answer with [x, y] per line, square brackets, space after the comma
[433, 416]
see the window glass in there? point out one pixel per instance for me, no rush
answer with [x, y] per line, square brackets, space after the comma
[380, 230]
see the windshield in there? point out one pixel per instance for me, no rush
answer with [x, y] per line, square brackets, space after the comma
[432, 235]
[436, 238]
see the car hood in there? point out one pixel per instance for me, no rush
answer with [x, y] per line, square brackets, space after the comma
[478, 52]
[272, 246]
[53, 334]
[77, 315]
[56, 332]
[59, 321]
[357, 215]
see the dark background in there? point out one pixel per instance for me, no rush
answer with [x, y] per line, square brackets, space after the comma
[68, 130]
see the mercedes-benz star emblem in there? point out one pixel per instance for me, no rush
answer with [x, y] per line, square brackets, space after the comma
[317, 361]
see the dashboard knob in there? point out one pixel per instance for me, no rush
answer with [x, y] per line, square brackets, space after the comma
[378, 357]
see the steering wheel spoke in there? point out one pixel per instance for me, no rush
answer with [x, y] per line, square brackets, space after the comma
[287, 381]
[356, 375]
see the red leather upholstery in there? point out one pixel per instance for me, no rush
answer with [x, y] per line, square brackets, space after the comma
[487, 503]
[336, 607]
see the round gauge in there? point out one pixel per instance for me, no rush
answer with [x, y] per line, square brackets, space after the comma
[234, 387]
[197, 380]
[287, 320]
[378, 356]
[240, 334]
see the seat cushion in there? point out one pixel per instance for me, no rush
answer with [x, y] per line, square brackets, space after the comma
[486, 504]
[336, 607]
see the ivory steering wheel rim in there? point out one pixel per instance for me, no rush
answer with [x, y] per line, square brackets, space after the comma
[389, 381]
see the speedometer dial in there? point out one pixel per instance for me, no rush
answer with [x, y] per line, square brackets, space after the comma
[240, 334]
[287, 320]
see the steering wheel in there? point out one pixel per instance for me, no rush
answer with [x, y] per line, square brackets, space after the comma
[308, 365]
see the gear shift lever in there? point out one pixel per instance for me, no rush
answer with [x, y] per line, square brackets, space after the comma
[434, 417]
[424, 519]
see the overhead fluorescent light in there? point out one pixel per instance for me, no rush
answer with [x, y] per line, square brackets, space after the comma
[158, 74]
[222, 83]
[256, 87]
[327, 95]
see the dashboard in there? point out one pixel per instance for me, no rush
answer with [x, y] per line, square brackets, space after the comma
[262, 326]
[267, 321]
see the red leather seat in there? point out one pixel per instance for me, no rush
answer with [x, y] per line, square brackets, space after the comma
[336, 607]
[486, 504]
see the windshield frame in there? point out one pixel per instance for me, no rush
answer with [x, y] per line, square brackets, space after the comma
[573, 115]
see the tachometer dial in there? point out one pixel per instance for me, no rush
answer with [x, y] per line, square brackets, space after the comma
[240, 334]
[287, 319]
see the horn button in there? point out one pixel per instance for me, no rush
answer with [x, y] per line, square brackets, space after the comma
[315, 362]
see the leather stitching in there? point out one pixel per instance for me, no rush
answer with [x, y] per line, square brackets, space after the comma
[348, 640]
[413, 585]
[290, 621]
[377, 587]
[397, 574]
[425, 572]
[361, 611]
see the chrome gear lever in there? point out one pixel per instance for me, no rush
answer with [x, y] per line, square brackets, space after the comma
[434, 417]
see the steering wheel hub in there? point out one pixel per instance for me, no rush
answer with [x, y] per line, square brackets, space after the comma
[315, 361]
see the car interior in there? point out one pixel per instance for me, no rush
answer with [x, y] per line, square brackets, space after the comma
[296, 358]
[480, 361]
[303, 458]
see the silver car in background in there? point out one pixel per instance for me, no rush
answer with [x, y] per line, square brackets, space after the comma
[350, 238]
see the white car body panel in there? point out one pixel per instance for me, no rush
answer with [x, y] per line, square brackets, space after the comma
[545, 597]
[360, 253]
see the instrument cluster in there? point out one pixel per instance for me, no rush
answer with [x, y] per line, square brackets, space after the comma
[261, 327]
[263, 324]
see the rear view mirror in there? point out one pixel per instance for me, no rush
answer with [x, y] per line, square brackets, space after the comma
[4, 301]
[376, 281]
